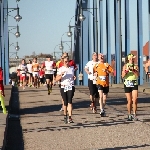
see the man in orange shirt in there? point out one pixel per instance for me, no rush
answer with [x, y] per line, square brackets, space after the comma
[102, 71]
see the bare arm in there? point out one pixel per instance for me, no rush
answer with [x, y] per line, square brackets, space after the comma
[146, 67]
[124, 71]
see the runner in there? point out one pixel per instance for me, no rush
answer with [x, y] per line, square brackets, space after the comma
[94, 95]
[102, 71]
[29, 73]
[66, 75]
[49, 66]
[41, 74]
[35, 69]
[71, 63]
[130, 75]
[147, 71]
[23, 70]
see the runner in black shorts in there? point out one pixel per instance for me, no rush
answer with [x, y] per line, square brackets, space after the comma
[92, 82]
[50, 68]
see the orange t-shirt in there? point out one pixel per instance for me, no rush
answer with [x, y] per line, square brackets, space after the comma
[35, 67]
[103, 76]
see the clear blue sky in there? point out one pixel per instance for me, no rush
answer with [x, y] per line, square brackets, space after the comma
[44, 22]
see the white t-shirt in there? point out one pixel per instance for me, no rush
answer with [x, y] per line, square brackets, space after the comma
[90, 65]
[23, 68]
[29, 66]
[49, 67]
[68, 77]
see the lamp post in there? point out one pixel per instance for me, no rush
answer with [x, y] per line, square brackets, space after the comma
[61, 47]
[17, 34]
[17, 17]
[69, 33]
[16, 47]
[82, 18]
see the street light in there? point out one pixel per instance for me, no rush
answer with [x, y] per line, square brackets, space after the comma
[16, 47]
[17, 17]
[17, 34]
[81, 16]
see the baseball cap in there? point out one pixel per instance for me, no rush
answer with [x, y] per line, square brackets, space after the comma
[131, 55]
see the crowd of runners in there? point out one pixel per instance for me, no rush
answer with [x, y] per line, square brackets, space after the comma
[63, 72]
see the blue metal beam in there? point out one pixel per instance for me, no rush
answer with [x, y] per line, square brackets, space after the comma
[91, 32]
[85, 40]
[101, 25]
[127, 28]
[95, 26]
[108, 35]
[117, 41]
[140, 39]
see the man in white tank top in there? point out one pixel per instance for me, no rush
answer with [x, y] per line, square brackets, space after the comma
[50, 69]
[29, 73]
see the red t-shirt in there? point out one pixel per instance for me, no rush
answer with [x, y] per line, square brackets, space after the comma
[71, 63]
[41, 72]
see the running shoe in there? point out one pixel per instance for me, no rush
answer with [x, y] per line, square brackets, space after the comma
[65, 120]
[129, 118]
[49, 92]
[134, 117]
[50, 89]
[92, 105]
[61, 109]
[102, 113]
[70, 120]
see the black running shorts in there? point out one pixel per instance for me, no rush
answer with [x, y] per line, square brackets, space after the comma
[93, 89]
[130, 89]
[49, 76]
[105, 89]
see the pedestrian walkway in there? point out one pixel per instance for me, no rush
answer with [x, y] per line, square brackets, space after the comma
[43, 127]
[3, 117]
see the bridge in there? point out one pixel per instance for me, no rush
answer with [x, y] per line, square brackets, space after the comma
[92, 24]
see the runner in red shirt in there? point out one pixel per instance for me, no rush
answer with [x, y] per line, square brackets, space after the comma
[41, 74]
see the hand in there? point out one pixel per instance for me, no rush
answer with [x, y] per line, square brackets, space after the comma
[89, 73]
[126, 71]
[74, 77]
[63, 73]
[95, 74]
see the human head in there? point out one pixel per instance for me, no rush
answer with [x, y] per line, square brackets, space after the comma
[23, 61]
[101, 57]
[130, 58]
[94, 56]
[30, 62]
[65, 54]
[35, 59]
[66, 61]
[48, 57]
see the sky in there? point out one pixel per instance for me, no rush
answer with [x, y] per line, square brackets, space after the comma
[45, 21]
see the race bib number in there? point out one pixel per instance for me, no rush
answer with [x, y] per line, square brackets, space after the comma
[129, 84]
[49, 71]
[67, 88]
[23, 75]
[102, 78]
